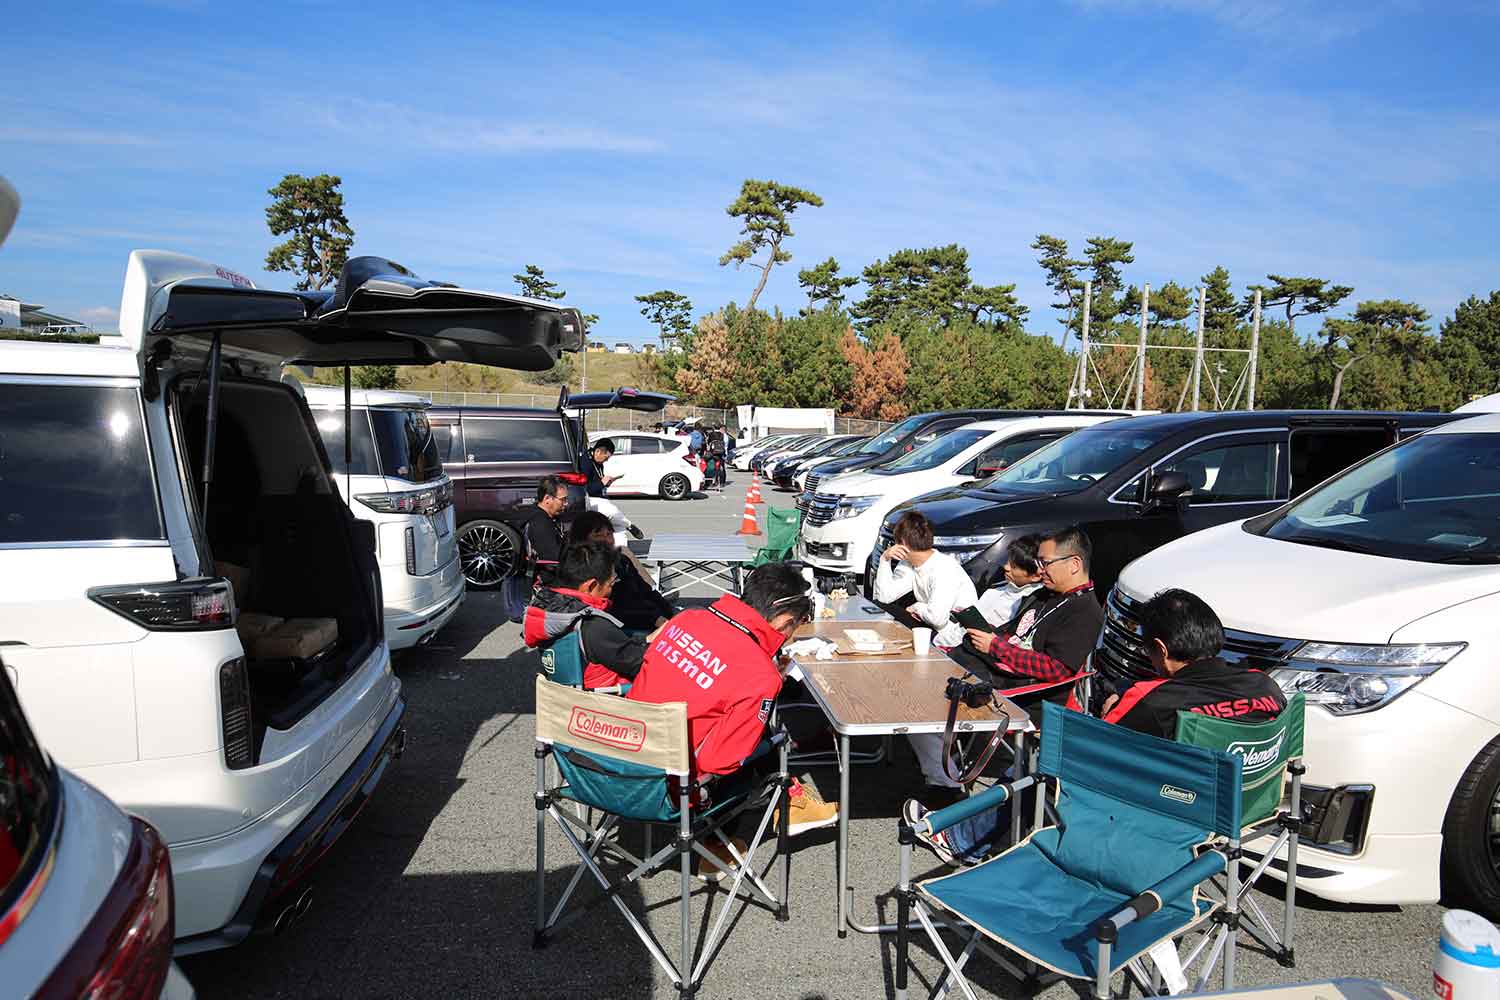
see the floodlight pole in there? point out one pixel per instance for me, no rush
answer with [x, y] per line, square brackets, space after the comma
[1254, 353]
[1198, 352]
[1140, 356]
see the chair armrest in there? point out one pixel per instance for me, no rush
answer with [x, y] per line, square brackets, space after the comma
[990, 798]
[1148, 901]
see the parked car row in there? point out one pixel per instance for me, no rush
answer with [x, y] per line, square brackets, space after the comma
[197, 606]
[1355, 556]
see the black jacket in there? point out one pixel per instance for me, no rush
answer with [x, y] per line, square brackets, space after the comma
[634, 601]
[543, 537]
[1209, 686]
[604, 642]
[595, 476]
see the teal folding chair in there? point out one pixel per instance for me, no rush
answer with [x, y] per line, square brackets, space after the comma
[1271, 769]
[782, 527]
[564, 659]
[1138, 828]
[629, 762]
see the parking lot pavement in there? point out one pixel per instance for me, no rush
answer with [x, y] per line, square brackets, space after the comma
[429, 895]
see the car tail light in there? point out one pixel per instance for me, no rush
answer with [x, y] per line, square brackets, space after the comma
[180, 606]
[126, 950]
[428, 501]
[687, 457]
[411, 551]
[574, 478]
[234, 715]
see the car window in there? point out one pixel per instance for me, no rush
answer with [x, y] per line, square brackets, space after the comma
[362, 458]
[28, 790]
[516, 439]
[74, 466]
[645, 446]
[1008, 453]
[1072, 462]
[449, 441]
[934, 453]
[889, 438]
[623, 445]
[406, 445]
[1234, 473]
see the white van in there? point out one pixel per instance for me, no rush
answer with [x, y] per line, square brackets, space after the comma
[1377, 594]
[842, 522]
[394, 479]
[190, 613]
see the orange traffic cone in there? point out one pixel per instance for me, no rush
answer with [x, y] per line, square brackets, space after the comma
[752, 495]
[747, 523]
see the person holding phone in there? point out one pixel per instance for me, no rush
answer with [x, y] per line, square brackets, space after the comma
[996, 606]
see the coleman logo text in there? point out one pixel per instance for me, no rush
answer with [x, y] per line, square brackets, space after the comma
[1257, 755]
[611, 730]
[1183, 795]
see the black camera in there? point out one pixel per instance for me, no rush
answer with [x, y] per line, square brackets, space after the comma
[975, 694]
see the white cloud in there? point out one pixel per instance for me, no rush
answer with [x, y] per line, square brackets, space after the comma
[72, 137]
[100, 315]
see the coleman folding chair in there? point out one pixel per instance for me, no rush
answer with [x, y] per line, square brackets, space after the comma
[564, 659]
[1270, 753]
[628, 761]
[1137, 826]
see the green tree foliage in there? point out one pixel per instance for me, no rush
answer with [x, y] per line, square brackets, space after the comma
[1299, 296]
[1062, 277]
[670, 312]
[1384, 328]
[1221, 311]
[993, 304]
[309, 211]
[765, 209]
[964, 364]
[561, 373]
[823, 285]
[1103, 259]
[1471, 347]
[924, 284]
[375, 377]
[534, 284]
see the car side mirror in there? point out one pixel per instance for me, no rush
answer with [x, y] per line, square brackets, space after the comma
[1168, 488]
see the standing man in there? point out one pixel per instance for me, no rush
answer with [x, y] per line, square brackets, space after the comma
[598, 482]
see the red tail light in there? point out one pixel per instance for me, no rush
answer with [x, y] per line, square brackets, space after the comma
[575, 478]
[176, 606]
[126, 949]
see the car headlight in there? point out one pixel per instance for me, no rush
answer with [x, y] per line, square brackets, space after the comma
[983, 541]
[853, 507]
[1347, 678]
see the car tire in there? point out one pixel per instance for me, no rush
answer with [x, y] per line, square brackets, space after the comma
[675, 486]
[488, 552]
[1471, 848]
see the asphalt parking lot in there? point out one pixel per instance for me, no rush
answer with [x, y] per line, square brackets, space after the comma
[430, 893]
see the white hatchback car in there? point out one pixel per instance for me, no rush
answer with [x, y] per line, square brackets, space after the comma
[393, 478]
[650, 464]
[191, 613]
[842, 522]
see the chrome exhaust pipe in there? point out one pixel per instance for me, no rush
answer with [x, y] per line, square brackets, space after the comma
[398, 743]
[293, 912]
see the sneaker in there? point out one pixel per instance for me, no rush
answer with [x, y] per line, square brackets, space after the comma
[912, 813]
[805, 811]
[710, 873]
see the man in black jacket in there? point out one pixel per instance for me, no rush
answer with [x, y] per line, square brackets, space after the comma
[634, 601]
[540, 530]
[1183, 638]
[580, 598]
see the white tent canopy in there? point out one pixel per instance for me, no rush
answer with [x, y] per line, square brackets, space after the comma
[761, 421]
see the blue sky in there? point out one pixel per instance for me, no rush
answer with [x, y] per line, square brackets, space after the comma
[1358, 141]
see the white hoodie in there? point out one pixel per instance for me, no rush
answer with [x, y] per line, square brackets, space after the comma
[939, 587]
[998, 605]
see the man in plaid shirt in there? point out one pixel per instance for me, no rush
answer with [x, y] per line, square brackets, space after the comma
[1055, 628]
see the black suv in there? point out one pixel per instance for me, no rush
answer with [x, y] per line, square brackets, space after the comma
[496, 455]
[1138, 483]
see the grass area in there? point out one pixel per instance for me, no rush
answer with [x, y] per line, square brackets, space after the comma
[605, 371]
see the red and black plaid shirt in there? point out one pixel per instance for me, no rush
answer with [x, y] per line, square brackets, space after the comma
[1029, 662]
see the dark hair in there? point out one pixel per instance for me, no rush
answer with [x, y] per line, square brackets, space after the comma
[585, 561]
[587, 523]
[604, 443]
[777, 589]
[546, 487]
[1184, 623]
[1023, 552]
[913, 530]
[1073, 541]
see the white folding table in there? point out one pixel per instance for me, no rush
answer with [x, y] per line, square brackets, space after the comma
[683, 560]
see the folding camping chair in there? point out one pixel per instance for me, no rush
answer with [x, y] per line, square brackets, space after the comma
[781, 535]
[629, 761]
[1269, 752]
[564, 659]
[1138, 825]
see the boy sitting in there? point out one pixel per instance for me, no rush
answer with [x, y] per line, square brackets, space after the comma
[634, 601]
[1023, 576]
[577, 598]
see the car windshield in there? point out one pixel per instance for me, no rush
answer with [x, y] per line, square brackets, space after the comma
[933, 453]
[28, 790]
[849, 447]
[828, 447]
[885, 442]
[1435, 498]
[1071, 463]
[407, 449]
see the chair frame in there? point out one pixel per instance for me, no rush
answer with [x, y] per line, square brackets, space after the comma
[591, 835]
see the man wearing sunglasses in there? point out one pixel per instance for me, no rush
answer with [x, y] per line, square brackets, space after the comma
[1055, 628]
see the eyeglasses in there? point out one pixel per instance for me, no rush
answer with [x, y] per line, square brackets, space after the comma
[1049, 562]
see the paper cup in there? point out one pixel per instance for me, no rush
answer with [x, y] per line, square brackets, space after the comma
[921, 640]
[818, 602]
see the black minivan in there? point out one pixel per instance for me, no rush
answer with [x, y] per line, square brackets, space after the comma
[1138, 483]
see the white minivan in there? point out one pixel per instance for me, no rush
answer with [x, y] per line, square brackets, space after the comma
[842, 522]
[1377, 594]
[393, 477]
[191, 616]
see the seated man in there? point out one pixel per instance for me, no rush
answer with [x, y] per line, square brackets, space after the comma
[998, 605]
[1183, 638]
[634, 601]
[938, 585]
[1055, 628]
[577, 598]
[722, 662]
[539, 528]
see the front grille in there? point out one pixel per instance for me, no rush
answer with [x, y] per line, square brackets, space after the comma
[811, 486]
[1121, 657]
[819, 509]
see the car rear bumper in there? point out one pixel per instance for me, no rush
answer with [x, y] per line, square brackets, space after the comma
[422, 604]
[288, 863]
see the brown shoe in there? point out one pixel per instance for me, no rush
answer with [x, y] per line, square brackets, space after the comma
[708, 872]
[805, 811]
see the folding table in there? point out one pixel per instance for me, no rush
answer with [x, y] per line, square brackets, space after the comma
[712, 560]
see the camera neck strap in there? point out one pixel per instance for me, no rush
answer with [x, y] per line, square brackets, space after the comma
[997, 738]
